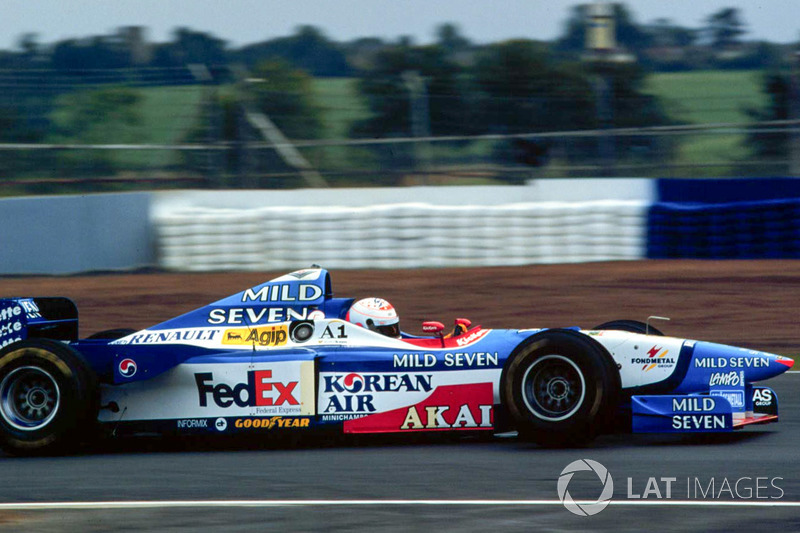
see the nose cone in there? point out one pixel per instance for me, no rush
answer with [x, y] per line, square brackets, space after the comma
[757, 366]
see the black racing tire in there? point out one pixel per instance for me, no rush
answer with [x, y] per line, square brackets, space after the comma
[631, 326]
[48, 398]
[560, 388]
[112, 334]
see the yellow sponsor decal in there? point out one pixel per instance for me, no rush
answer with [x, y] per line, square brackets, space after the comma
[262, 336]
[270, 423]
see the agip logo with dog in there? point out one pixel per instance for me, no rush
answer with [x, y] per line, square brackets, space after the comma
[261, 336]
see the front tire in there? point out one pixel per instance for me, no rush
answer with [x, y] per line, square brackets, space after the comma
[48, 398]
[631, 326]
[560, 388]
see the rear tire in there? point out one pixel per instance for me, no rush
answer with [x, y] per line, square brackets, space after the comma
[560, 388]
[48, 398]
[112, 334]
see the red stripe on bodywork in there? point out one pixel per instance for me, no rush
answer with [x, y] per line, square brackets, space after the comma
[755, 419]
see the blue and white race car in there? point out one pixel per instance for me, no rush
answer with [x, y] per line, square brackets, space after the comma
[281, 356]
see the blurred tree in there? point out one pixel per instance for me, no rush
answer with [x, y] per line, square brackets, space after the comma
[666, 33]
[388, 98]
[28, 43]
[449, 37]
[725, 27]
[523, 91]
[402, 74]
[90, 116]
[769, 144]
[308, 49]
[94, 117]
[188, 47]
[361, 53]
[76, 57]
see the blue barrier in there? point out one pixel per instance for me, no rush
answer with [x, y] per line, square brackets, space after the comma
[740, 230]
[726, 190]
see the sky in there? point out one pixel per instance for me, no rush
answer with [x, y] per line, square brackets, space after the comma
[248, 21]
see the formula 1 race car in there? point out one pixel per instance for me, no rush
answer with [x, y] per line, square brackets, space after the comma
[281, 357]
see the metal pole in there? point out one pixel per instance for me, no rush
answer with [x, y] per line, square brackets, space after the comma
[605, 118]
[420, 118]
[794, 112]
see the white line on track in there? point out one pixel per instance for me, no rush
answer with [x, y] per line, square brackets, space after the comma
[47, 506]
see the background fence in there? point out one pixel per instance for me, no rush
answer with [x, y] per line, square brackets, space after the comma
[166, 128]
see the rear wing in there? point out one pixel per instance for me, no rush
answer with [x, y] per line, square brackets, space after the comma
[26, 318]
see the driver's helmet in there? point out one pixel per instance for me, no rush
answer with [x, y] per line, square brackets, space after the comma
[376, 314]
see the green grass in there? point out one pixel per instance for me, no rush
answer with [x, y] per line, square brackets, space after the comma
[167, 115]
[341, 105]
[169, 112]
[709, 97]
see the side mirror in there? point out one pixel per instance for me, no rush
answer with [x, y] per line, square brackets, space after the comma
[462, 325]
[433, 328]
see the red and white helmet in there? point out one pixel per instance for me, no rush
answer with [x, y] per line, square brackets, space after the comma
[376, 314]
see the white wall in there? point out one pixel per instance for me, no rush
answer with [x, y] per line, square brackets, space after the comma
[400, 235]
[543, 190]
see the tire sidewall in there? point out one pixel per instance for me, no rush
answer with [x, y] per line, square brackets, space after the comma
[75, 393]
[585, 355]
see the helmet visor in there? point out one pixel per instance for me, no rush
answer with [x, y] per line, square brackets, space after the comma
[392, 330]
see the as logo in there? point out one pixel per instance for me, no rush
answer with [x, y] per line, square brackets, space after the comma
[127, 368]
[762, 397]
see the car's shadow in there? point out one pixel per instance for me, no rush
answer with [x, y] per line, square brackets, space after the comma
[619, 440]
[174, 444]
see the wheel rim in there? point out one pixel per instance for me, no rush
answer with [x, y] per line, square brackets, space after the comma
[553, 388]
[29, 398]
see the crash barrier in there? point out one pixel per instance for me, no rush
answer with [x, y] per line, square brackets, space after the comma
[767, 229]
[725, 219]
[546, 221]
[70, 234]
[401, 235]
[725, 190]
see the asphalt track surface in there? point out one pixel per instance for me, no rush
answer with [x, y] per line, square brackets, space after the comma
[492, 471]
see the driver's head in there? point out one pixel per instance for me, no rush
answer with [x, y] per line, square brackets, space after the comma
[376, 314]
